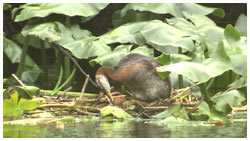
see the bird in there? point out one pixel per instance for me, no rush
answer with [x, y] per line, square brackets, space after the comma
[138, 73]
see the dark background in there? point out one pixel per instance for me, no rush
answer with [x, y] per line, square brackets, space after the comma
[100, 24]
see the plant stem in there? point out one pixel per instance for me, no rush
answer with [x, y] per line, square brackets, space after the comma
[18, 80]
[204, 92]
[75, 94]
[75, 62]
[230, 76]
[84, 87]
[180, 77]
[44, 61]
[237, 77]
[59, 79]
[23, 57]
[66, 58]
[68, 21]
[66, 67]
[210, 83]
[66, 82]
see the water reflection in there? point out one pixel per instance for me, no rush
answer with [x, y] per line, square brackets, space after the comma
[123, 129]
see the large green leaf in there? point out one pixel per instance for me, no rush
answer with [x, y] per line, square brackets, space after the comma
[70, 9]
[209, 35]
[26, 92]
[163, 59]
[33, 41]
[176, 110]
[132, 16]
[197, 72]
[14, 108]
[175, 9]
[112, 58]
[202, 30]
[236, 48]
[176, 58]
[163, 35]
[226, 100]
[80, 42]
[120, 34]
[242, 82]
[241, 25]
[200, 72]
[13, 52]
[204, 109]
[198, 19]
[10, 107]
[43, 31]
[114, 111]
[232, 35]
[156, 33]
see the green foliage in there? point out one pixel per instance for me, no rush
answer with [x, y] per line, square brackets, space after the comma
[132, 16]
[226, 100]
[241, 25]
[236, 48]
[161, 36]
[175, 58]
[27, 92]
[80, 42]
[204, 109]
[115, 112]
[42, 10]
[197, 72]
[14, 107]
[222, 105]
[175, 111]
[13, 52]
[43, 31]
[172, 8]
[6, 6]
[112, 58]
[240, 83]
[190, 44]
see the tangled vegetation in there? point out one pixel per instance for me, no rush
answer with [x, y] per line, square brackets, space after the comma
[194, 51]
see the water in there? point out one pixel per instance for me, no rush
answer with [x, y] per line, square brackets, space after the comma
[123, 129]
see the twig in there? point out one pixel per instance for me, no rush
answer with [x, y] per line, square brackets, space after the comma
[18, 80]
[156, 108]
[78, 66]
[55, 105]
[86, 112]
[181, 94]
[64, 93]
[140, 104]
[84, 87]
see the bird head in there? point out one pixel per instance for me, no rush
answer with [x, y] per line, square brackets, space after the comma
[103, 83]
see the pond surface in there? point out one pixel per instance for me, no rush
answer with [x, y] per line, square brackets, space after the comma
[123, 129]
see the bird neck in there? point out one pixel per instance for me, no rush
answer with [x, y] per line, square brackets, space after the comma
[108, 71]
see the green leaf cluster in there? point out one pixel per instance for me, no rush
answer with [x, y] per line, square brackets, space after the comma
[190, 44]
[115, 112]
[14, 108]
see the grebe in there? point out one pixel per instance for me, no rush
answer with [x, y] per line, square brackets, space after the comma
[138, 73]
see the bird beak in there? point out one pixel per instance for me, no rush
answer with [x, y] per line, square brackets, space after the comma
[110, 97]
[103, 83]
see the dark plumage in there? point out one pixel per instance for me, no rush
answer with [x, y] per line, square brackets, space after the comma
[138, 73]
